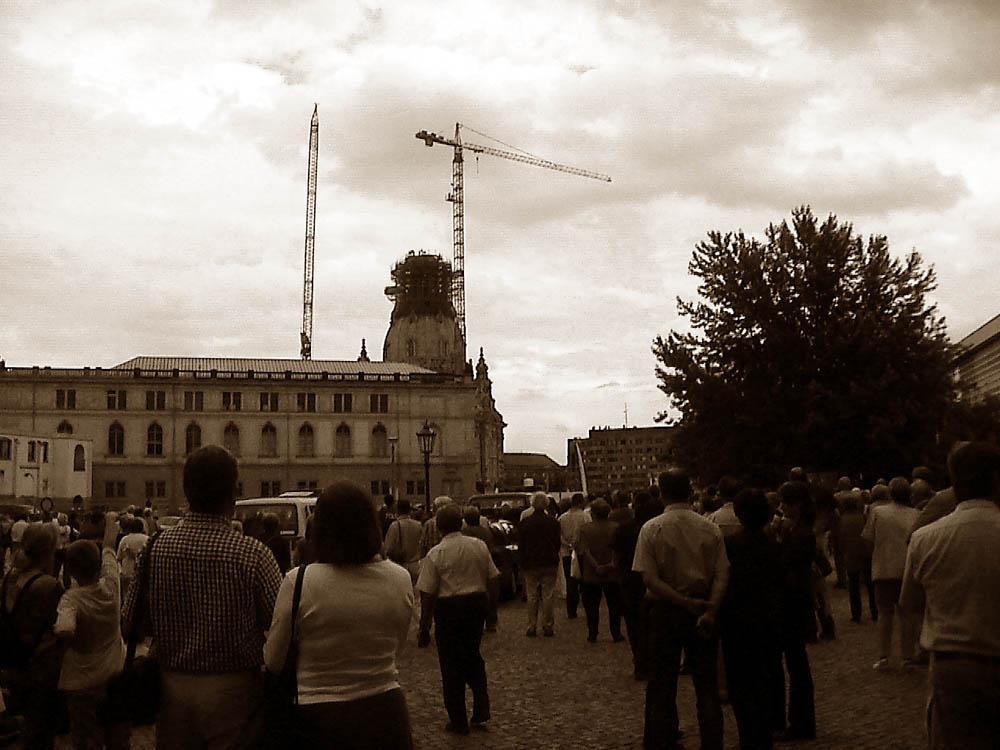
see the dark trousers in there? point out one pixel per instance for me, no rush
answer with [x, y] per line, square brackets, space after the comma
[458, 631]
[572, 588]
[801, 708]
[591, 594]
[380, 721]
[671, 631]
[633, 606]
[854, 581]
[747, 659]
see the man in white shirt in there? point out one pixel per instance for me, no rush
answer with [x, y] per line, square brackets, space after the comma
[569, 529]
[725, 517]
[453, 584]
[953, 566]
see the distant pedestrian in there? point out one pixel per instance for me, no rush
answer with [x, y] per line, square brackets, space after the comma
[569, 525]
[129, 548]
[857, 556]
[472, 525]
[538, 547]
[210, 599]
[725, 517]
[599, 575]
[453, 583]
[634, 604]
[682, 559]
[887, 529]
[402, 541]
[279, 546]
[431, 536]
[953, 565]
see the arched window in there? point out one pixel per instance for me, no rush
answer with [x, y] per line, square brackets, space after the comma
[231, 439]
[154, 440]
[269, 441]
[116, 440]
[64, 428]
[79, 459]
[192, 438]
[306, 442]
[342, 441]
[380, 442]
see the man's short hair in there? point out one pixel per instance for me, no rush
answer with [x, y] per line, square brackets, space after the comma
[449, 519]
[471, 515]
[751, 507]
[923, 472]
[403, 506]
[797, 474]
[899, 490]
[83, 561]
[37, 546]
[844, 484]
[797, 495]
[675, 485]
[879, 493]
[577, 500]
[729, 487]
[442, 500]
[539, 500]
[210, 476]
[600, 509]
[975, 470]
[345, 528]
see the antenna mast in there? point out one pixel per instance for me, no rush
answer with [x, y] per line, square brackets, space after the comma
[307, 285]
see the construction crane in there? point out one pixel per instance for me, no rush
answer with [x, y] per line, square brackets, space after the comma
[457, 198]
[307, 284]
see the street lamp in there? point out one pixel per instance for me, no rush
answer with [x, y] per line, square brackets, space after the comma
[426, 437]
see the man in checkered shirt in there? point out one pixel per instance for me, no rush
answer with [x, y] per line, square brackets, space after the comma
[210, 598]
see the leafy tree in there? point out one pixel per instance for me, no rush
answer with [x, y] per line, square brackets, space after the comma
[813, 348]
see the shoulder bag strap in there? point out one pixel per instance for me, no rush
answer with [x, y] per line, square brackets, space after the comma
[292, 654]
[142, 606]
[20, 594]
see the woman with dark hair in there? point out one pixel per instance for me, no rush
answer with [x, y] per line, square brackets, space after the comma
[30, 595]
[353, 617]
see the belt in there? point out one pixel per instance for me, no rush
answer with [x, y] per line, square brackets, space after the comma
[965, 656]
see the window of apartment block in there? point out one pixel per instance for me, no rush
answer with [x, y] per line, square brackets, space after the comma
[307, 484]
[270, 488]
[194, 400]
[342, 442]
[32, 452]
[156, 489]
[379, 487]
[65, 398]
[154, 440]
[232, 400]
[64, 428]
[116, 440]
[269, 441]
[114, 489]
[117, 400]
[45, 452]
[5, 449]
[411, 487]
[305, 401]
[343, 403]
[192, 438]
[231, 439]
[269, 401]
[378, 403]
[306, 445]
[421, 487]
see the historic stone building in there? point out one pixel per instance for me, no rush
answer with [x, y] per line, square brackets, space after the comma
[292, 423]
[626, 458]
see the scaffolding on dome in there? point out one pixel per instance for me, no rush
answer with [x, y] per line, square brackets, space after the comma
[421, 286]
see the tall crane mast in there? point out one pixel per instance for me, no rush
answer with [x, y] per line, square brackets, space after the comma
[457, 198]
[307, 284]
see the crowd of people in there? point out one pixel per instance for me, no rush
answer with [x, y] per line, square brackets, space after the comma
[726, 583]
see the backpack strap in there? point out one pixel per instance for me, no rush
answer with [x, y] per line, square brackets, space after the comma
[20, 594]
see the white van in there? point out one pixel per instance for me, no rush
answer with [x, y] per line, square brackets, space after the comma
[293, 509]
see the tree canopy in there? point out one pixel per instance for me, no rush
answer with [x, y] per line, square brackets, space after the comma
[813, 347]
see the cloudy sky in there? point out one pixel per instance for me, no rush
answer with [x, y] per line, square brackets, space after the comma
[153, 159]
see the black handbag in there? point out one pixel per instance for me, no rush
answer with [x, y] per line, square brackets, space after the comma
[282, 690]
[134, 695]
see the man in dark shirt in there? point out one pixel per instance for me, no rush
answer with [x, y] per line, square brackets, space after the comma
[538, 546]
[210, 598]
[273, 541]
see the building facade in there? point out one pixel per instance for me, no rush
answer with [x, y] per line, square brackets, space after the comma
[978, 362]
[37, 466]
[292, 424]
[626, 458]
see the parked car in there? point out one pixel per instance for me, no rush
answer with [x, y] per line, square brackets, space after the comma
[505, 556]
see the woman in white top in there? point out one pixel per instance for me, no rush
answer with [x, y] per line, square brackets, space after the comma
[354, 614]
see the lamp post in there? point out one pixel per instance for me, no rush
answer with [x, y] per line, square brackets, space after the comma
[426, 437]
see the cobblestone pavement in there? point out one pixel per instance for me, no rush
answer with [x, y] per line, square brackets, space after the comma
[564, 693]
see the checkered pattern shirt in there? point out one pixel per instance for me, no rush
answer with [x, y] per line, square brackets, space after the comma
[211, 596]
